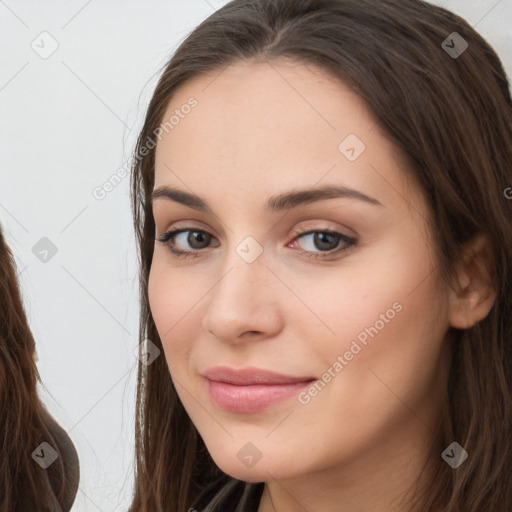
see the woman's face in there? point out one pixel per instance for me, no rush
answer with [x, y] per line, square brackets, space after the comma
[335, 290]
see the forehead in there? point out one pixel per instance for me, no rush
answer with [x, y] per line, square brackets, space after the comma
[261, 126]
[259, 100]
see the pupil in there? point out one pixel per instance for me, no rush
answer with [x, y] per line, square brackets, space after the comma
[196, 236]
[323, 238]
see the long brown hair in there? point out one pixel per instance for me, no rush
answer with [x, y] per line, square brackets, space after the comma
[24, 422]
[451, 117]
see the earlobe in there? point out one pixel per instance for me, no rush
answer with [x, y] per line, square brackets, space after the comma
[474, 299]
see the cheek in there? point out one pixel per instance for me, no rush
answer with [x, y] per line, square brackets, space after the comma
[173, 303]
[387, 308]
[390, 320]
[380, 287]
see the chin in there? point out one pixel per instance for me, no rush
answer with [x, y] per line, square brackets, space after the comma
[265, 468]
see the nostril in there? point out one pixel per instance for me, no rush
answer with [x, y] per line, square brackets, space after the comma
[252, 332]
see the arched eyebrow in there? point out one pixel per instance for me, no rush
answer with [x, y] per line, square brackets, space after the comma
[284, 201]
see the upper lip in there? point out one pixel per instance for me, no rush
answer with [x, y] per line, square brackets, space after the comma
[251, 375]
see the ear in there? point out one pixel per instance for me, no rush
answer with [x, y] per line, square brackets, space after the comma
[476, 295]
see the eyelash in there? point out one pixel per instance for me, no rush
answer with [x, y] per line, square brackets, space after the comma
[350, 242]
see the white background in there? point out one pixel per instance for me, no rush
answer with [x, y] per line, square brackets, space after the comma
[68, 123]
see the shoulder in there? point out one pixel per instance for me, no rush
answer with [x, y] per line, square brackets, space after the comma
[60, 478]
[65, 481]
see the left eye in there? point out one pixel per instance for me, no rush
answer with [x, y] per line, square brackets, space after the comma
[322, 240]
[326, 241]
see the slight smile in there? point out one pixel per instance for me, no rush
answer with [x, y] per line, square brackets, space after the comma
[251, 389]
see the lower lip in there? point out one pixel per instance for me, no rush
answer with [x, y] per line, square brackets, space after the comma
[252, 398]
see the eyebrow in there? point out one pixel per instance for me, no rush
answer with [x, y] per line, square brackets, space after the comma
[284, 201]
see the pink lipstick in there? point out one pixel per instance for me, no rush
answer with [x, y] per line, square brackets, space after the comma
[251, 389]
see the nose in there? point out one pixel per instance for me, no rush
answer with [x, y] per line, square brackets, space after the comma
[244, 302]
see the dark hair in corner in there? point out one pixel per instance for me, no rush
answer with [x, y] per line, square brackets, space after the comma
[24, 421]
[452, 120]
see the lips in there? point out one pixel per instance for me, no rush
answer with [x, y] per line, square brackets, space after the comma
[251, 389]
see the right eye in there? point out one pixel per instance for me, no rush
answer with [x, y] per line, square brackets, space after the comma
[195, 238]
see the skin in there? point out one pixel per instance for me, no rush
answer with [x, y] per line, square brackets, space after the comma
[260, 129]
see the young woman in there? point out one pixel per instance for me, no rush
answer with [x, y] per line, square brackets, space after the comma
[39, 467]
[325, 233]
